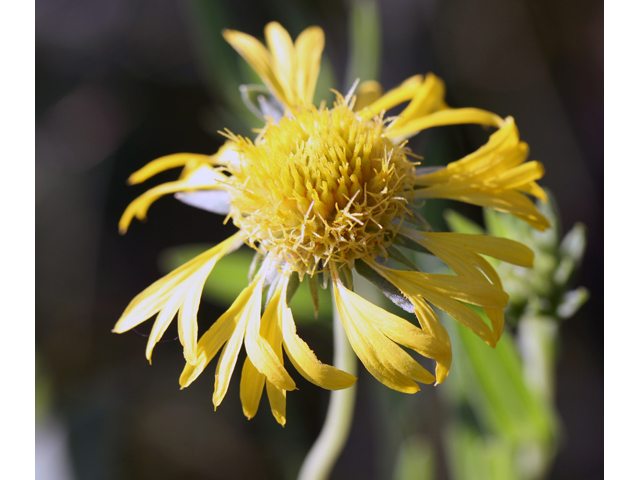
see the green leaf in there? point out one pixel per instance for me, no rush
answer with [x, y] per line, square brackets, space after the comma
[415, 461]
[473, 456]
[493, 384]
[397, 255]
[461, 224]
[406, 242]
[384, 285]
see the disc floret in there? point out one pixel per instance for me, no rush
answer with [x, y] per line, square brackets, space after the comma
[320, 186]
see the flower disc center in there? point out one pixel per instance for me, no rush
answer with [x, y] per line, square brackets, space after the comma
[320, 186]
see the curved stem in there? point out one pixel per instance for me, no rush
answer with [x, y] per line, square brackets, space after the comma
[328, 447]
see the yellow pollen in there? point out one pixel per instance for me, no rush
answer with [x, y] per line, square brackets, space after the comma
[320, 186]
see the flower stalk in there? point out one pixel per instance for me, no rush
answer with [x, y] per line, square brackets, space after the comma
[329, 445]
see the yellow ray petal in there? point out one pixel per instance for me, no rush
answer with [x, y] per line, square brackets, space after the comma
[430, 323]
[257, 57]
[444, 117]
[154, 298]
[520, 175]
[309, 46]
[367, 93]
[503, 139]
[396, 96]
[463, 314]
[503, 249]
[465, 289]
[261, 352]
[404, 333]
[278, 402]
[164, 319]
[229, 355]
[303, 358]
[283, 58]
[219, 333]
[428, 99]
[188, 315]
[271, 329]
[496, 316]
[251, 386]
[203, 178]
[385, 360]
[165, 163]
[507, 201]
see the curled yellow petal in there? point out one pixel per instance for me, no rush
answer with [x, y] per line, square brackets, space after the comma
[165, 163]
[428, 99]
[384, 359]
[202, 178]
[445, 117]
[494, 176]
[396, 96]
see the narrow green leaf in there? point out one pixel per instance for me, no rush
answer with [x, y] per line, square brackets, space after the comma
[406, 242]
[386, 287]
[461, 224]
[397, 255]
[496, 391]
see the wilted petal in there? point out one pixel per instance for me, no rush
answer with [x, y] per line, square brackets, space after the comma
[385, 360]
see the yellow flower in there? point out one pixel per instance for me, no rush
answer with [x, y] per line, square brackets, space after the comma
[321, 191]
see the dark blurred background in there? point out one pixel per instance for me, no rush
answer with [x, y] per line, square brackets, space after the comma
[121, 82]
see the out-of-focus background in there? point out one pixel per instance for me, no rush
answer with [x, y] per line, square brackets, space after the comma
[121, 82]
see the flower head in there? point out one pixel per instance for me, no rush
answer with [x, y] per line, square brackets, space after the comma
[321, 191]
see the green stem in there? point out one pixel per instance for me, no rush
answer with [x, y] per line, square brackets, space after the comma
[328, 447]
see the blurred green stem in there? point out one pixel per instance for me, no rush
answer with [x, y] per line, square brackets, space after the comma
[328, 447]
[365, 42]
